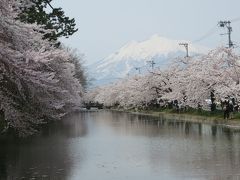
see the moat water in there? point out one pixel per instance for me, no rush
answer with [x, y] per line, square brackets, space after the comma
[108, 145]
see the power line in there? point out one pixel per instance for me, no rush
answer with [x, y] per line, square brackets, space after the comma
[212, 31]
[209, 33]
[235, 19]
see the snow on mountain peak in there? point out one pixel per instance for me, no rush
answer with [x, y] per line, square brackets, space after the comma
[149, 48]
[136, 54]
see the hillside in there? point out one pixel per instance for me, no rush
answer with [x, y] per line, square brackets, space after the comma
[137, 55]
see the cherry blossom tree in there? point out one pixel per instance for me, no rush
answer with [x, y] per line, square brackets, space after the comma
[37, 80]
[191, 81]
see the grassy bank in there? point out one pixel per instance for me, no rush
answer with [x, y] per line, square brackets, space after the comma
[218, 114]
[192, 115]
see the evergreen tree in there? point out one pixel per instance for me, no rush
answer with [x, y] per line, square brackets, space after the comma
[53, 20]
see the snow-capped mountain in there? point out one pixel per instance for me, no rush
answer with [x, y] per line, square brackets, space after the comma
[137, 55]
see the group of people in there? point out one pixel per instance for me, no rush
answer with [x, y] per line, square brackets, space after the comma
[229, 107]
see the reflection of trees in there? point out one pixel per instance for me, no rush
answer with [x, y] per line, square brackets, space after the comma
[135, 124]
[184, 148]
[77, 126]
[171, 146]
[3, 166]
[46, 156]
[214, 130]
[187, 127]
[197, 155]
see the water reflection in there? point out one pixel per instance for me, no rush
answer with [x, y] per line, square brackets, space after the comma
[44, 157]
[180, 148]
[116, 145]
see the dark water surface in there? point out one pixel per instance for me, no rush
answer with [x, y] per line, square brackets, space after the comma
[105, 145]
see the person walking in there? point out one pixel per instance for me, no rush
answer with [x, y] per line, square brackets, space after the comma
[231, 109]
[226, 110]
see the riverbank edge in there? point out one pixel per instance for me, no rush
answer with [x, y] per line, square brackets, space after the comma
[233, 125]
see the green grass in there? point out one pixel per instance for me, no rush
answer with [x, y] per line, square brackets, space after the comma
[218, 114]
[236, 116]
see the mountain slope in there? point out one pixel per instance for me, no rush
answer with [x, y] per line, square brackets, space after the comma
[138, 54]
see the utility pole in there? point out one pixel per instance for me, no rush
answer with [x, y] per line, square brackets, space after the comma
[152, 63]
[138, 69]
[227, 24]
[186, 47]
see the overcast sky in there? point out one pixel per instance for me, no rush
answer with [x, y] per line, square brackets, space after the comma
[106, 25]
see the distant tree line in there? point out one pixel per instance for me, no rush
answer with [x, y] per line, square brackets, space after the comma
[199, 82]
